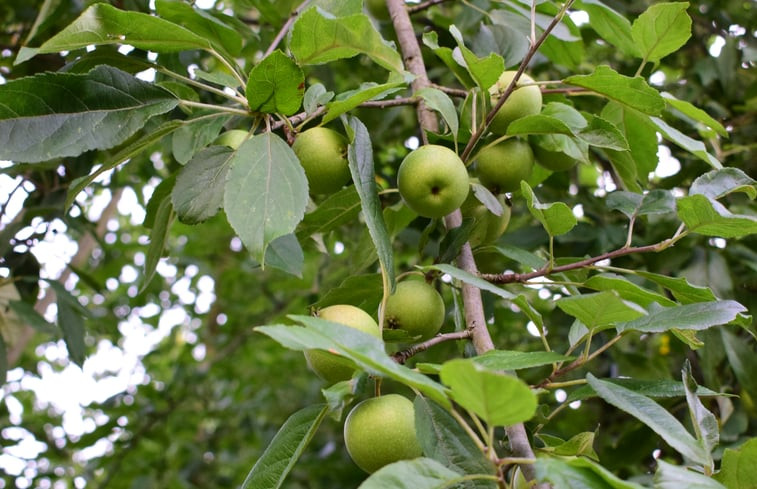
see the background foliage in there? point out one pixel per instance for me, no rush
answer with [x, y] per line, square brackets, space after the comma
[192, 395]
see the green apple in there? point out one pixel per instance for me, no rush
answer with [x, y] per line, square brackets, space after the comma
[501, 167]
[380, 431]
[323, 154]
[433, 181]
[233, 138]
[330, 366]
[488, 227]
[522, 101]
[415, 307]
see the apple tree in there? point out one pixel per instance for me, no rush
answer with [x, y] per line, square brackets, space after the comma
[474, 244]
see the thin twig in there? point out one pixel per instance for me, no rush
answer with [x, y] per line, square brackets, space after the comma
[404, 355]
[285, 28]
[423, 6]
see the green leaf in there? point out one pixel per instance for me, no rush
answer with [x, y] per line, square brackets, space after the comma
[266, 192]
[363, 349]
[431, 40]
[71, 323]
[710, 218]
[285, 449]
[349, 100]
[697, 148]
[653, 415]
[641, 134]
[315, 96]
[657, 201]
[738, 470]
[612, 26]
[3, 361]
[650, 388]
[485, 71]
[440, 102]
[689, 110]
[516, 360]
[468, 278]
[704, 422]
[360, 158]
[276, 85]
[682, 290]
[340, 8]
[338, 209]
[285, 253]
[159, 218]
[669, 476]
[52, 115]
[28, 315]
[600, 309]
[104, 24]
[497, 398]
[742, 360]
[538, 124]
[716, 184]
[223, 37]
[444, 440]
[631, 92]
[699, 316]
[661, 30]
[198, 193]
[363, 290]
[578, 473]
[421, 473]
[317, 39]
[627, 290]
[557, 218]
[194, 135]
[603, 134]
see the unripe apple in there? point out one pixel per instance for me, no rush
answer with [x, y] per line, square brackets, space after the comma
[488, 227]
[323, 154]
[501, 167]
[433, 181]
[330, 366]
[380, 431]
[233, 138]
[415, 307]
[522, 101]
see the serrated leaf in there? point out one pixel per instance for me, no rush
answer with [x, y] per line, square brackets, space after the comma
[716, 184]
[444, 440]
[697, 148]
[363, 349]
[627, 289]
[349, 100]
[695, 113]
[198, 192]
[612, 26]
[497, 398]
[738, 470]
[360, 158]
[52, 115]
[431, 40]
[338, 209]
[440, 102]
[698, 316]
[278, 459]
[599, 309]
[603, 134]
[641, 134]
[276, 85]
[657, 201]
[557, 218]
[222, 36]
[709, 217]
[485, 71]
[651, 414]
[631, 92]
[682, 290]
[669, 476]
[421, 473]
[104, 24]
[265, 193]
[516, 360]
[468, 278]
[704, 422]
[538, 124]
[160, 216]
[578, 473]
[194, 135]
[661, 30]
[317, 39]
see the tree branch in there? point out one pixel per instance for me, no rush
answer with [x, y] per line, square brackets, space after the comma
[402, 356]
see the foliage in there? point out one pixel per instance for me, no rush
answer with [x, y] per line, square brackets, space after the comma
[604, 341]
